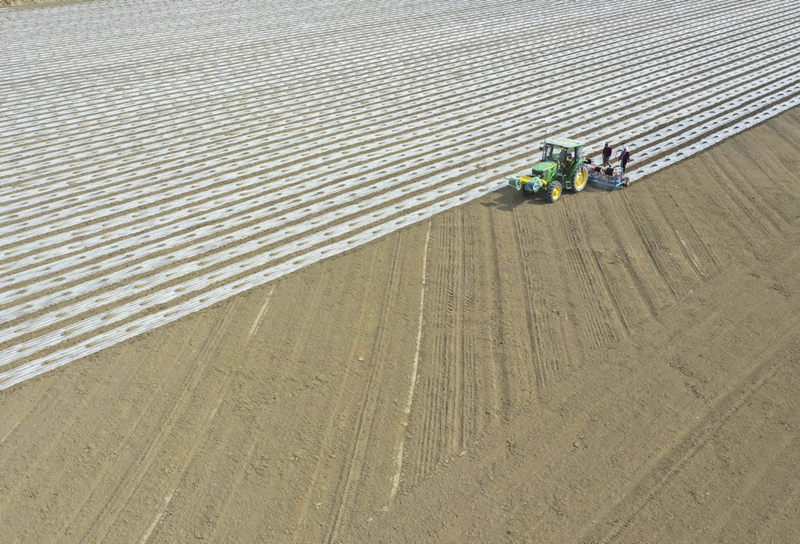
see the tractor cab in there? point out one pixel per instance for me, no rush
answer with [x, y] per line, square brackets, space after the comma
[564, 153]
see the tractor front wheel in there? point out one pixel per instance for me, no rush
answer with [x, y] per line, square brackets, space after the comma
[553, 191]
[580, 179]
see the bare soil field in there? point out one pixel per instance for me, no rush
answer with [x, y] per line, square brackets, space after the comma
[618, 367]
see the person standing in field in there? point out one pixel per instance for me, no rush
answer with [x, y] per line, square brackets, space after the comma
[607, 150]
[624, 158]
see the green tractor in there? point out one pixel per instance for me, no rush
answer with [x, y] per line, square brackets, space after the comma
[563, 166]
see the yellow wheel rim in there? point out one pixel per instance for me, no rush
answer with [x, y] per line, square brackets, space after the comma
[556, 192]
[580, 179]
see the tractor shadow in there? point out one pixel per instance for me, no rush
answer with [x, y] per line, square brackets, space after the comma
[507, 198]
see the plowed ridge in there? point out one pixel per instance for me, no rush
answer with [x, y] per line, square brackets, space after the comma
[179, 153]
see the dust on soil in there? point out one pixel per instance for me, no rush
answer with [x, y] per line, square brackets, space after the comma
[618, 366]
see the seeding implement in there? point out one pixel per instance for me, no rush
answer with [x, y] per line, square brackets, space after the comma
[610, 178]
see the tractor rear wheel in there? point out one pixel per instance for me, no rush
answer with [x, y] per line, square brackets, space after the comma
[553, 191]
[580, 179]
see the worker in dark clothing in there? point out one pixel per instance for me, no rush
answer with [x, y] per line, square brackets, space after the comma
[607, 150]
[624, 158]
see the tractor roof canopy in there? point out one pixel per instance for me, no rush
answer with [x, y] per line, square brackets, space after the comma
[563, 142]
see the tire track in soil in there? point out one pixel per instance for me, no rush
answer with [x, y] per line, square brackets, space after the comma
[207, 444]
[675, 460]
[477, 388]
[679, 342]
[318, 485]
[655, 238]
[600, 274]
[220, 518]
[774, 497]
[684, 259]
[519, 353]
[759, 190]
[599, 322]
[605, 279]
[453, 398]
[367, 414]
[726, 180]
[537, 246]
[624, 284]
[447, 345]
[177, 477]
[746, 226]
[127, 488]
[653, 258]
[438, 393]
[401, 449]
[563, 336]
[718, 250]
[684, 267]
[59, 437]
[502, 375]
[705, 251]
[420, 434]
[767, 479]
[538, 367]
[454, 330]
[471, 349]
[83, 514]
[731, 196]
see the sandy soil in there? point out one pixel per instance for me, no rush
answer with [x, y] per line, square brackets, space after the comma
[617, 367]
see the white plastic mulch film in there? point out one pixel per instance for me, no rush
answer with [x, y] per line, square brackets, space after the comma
[161, 157]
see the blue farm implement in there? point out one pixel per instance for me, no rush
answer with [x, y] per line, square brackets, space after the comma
[612, 180]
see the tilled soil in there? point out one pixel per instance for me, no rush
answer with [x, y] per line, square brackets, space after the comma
[616, 367]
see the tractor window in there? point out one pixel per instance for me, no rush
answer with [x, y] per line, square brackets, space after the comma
[557, 153]
[560, 154]
[552, 152]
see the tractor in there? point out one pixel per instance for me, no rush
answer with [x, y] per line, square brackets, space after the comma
[563, 166]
